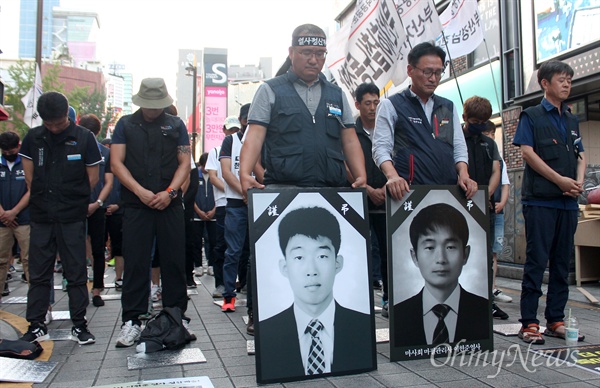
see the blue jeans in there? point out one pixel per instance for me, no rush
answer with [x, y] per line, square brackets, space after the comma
[550, 238]
[236, 234]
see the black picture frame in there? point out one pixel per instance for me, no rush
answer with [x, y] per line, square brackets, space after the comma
[276, 336]
[406, 284]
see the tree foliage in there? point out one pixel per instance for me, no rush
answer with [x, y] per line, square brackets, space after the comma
[23, 74]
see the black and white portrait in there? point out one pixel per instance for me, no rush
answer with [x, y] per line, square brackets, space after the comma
[440, 272]
[313, 300]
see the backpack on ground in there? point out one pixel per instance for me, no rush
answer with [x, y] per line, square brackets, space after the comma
[20, 349]
[165, 331]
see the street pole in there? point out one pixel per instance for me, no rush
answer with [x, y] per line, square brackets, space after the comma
[194, 113]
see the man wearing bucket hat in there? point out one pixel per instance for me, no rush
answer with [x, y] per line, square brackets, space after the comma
[150, 155]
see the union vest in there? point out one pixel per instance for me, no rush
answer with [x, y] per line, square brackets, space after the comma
[151, 154]
[302, 149]
[550, 146]
[423, 152]
[60, 186]
[481, 158]
[12, 188]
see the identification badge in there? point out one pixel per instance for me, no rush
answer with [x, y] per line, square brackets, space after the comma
[74, 157]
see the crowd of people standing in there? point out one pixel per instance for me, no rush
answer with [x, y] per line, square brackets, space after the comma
[159, 206]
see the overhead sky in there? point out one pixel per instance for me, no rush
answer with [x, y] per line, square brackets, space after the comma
[145, 35]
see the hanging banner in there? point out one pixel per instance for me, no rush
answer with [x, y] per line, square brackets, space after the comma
[215, 97]
[31, 116]
[463, 29]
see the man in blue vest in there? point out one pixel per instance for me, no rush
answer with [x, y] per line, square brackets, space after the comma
[418, 138]
[551, 146]
[14, 201]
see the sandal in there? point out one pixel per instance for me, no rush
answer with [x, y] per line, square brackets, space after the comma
[531, 334]
[551, 331]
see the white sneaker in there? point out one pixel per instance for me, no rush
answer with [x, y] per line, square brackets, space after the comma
[210, 271]
[129, 335]
[199, 271]
[155, 293]
[48, 317]
[218, 292]
[499, 296]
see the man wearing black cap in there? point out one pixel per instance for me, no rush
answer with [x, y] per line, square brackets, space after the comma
[150, 155]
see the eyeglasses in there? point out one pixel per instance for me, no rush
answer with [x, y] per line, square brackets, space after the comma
[307, 54]
[428, 72]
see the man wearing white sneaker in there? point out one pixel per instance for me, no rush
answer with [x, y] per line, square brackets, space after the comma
[150, 155]
[60, 161]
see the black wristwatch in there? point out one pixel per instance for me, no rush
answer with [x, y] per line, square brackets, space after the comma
[172, 192]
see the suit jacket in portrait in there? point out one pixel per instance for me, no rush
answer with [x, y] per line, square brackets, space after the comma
[278, 351]
[472, 323]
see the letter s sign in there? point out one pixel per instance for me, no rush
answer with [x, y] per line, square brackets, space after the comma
[220, 71]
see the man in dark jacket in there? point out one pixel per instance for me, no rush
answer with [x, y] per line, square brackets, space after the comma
[150, 155]
[60, 160]
[14, 201]
[367, 99]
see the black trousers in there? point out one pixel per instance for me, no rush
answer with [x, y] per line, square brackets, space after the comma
[68, 240]
[377, 221]
[218, 250]
[197, 240]
[96, 231]
[141, 227]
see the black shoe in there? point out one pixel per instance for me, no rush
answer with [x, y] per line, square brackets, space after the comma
[119, 285]
[385, 310]
[97, 301]
[82, 335]
[377, 284]
[6, 291]
[497, 313]
[250, 325]
[23, 278]
[36, 332]
[191, 284]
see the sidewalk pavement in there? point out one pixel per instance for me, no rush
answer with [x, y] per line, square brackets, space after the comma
[222, 339]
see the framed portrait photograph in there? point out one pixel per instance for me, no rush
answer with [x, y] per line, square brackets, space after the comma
[312, 301]
[440, 273]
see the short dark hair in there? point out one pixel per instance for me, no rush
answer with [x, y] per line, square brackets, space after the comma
[310, 222]
[425, 48]
[203, 158]
[552, 67]
[91, 122]
[439, 215]
[476, 107]
[310, 29]
[9, 140]
[365, 88]
[171, 110]
[489, 126]
[53, 105]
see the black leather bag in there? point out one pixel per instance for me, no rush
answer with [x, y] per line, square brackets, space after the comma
[20, 349]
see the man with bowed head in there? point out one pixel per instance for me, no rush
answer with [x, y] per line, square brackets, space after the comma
[150, 155]
[303, 123]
